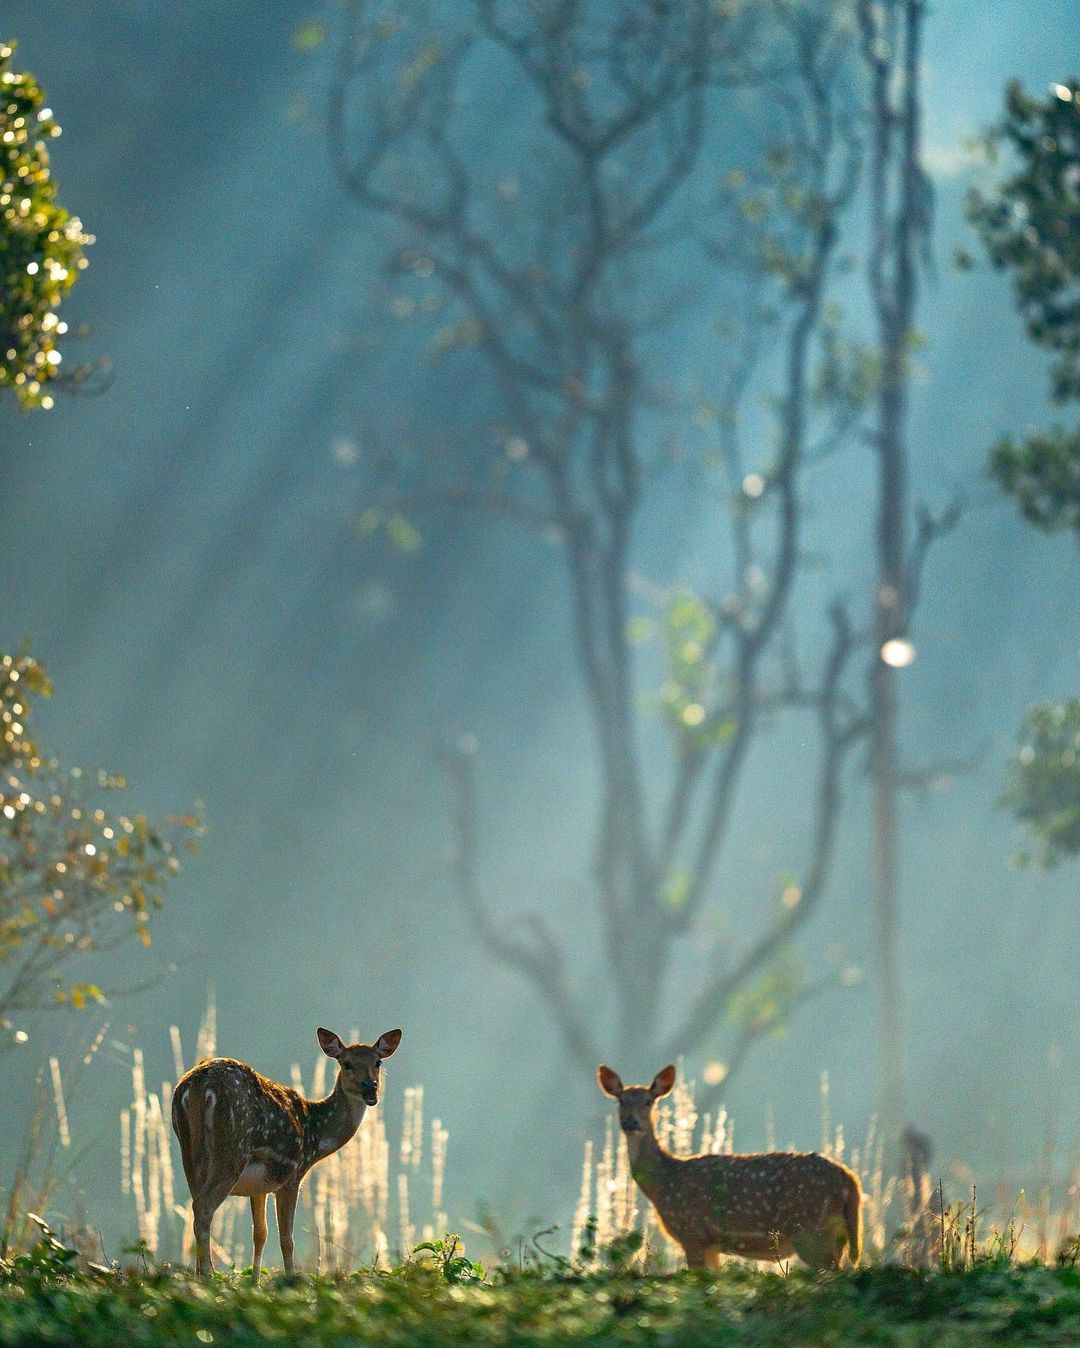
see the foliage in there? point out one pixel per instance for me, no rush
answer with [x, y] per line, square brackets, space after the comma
[1042, 473]
[41, 244]
[994, 1302]
[1044, 787]
[448, 1255]
[1031, 228]
[74, 877]
[1031, 224]
[47, 1258]
[763, 1007]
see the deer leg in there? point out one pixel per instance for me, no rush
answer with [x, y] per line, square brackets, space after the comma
[820, 1249]
[258, 1228]
[695, 1256]
[204, 1204]
[285, 1202]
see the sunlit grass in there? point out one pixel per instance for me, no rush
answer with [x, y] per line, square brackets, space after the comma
[996, 1301]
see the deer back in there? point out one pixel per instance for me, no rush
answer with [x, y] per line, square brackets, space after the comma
[755, 1193]
[226, 1116]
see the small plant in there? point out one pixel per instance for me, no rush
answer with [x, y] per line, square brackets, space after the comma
[448, 1254]
[535, 1257]
[1068, 1254]
[960, 1248]
[48, 1258]
[139, 1249]
[586, 1250]
[621, 1252]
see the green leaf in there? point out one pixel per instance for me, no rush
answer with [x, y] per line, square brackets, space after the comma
[677, 888]
[310, 35]
[403, 534]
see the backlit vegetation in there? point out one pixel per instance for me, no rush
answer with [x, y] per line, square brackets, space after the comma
[75, 877]
[42, 246]
[967, 1279]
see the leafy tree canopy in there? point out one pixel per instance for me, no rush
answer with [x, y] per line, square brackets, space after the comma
[41, 244]
[1042, 474]
[75, 878]
[1044, 786]
[1031, 224]
[1031, 228]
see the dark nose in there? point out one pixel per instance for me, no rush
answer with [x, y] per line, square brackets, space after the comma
[369, 1091]
[631, 1126]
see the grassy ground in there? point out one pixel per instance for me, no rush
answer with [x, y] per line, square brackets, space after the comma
[990, 1304]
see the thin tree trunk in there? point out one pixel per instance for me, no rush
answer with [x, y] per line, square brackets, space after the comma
[886, 894]
[891, 44]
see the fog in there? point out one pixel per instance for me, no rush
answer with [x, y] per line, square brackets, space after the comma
[182, 554]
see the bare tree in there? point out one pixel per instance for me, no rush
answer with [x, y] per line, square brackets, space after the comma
[556, 305]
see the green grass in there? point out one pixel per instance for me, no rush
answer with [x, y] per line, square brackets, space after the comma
[991, 1304]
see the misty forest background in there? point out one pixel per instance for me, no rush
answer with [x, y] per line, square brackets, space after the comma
[186, 554]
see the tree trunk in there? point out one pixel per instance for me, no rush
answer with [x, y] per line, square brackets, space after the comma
[891, 46]
[884, 754]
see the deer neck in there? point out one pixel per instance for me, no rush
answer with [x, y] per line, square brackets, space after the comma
[332, 1121]
[649, 1162]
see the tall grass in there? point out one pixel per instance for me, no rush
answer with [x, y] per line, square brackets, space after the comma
[374, 1200]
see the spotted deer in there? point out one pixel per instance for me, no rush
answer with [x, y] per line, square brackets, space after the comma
[763, 1205]
[241, 1133]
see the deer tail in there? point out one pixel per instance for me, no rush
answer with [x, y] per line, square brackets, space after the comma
[853, 1219]
[187, 1121]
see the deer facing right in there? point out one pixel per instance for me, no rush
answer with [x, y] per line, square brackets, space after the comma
[241, 1133]
[763, 1205]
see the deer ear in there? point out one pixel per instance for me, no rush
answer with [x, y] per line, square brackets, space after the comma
[330, 1044]
[662, 1082]
[609, 1082]
[387, 1043]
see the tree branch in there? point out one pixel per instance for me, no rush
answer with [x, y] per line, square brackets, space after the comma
[537, 956]
[838, 737]
[750, 1032]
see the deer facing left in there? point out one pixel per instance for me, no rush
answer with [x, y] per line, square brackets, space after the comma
[241, 1133]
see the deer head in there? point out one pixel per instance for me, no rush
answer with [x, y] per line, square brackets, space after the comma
[358, 1064]
[635, 1102]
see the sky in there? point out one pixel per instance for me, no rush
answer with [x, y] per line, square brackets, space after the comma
[181, 553]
